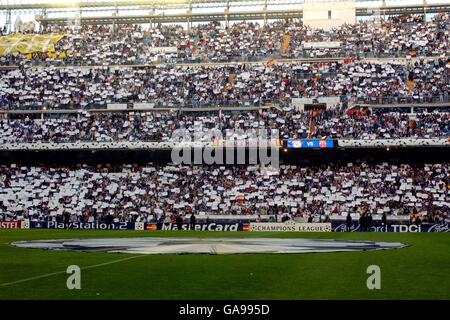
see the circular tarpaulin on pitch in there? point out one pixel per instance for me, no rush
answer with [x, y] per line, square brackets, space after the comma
[207, 245]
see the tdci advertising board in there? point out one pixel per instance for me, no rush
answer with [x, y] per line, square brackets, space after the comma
[377, 227]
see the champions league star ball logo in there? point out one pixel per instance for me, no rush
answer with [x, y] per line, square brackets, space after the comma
[207, 246]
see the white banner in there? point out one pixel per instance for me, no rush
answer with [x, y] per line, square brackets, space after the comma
[291, 227]
[116, 106]
[322, 45]
[143, 105]
[163, 50]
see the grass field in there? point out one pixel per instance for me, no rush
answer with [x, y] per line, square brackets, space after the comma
[420, 271]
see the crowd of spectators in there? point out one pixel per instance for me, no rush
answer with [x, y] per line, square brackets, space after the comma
[237, 85]
[151, 193]
[158, 126]
[396, 36]
[365, 125]
[85, 74]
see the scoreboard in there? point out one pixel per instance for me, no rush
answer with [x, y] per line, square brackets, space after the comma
[314, 143]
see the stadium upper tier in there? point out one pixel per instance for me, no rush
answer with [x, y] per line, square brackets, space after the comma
[136, 45]
[175, 86]
[157, 193]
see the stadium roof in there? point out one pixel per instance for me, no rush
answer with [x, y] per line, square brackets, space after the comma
[234, 16]
[55, 12]
[141, 4]
[86, 4]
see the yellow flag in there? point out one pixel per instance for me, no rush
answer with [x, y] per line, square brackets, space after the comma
[270, 62]
[28, 43]
[285, 44]
[231, 77]
[52, 55]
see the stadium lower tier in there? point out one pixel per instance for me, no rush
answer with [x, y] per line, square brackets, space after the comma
[159, 193]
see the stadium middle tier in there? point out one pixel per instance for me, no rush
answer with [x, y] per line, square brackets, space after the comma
[238, 85]
[206, 127]
[150, 193]
[397, 36]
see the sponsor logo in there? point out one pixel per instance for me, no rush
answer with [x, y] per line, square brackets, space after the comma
[444, 227]
[10, 225]
[291, 227]
[139, 226]
[406, 228]
[340, 228]
[343, 228]
[88, 225]
[212, 226]
[378, 229]
[271, 227]
[203, 226]
[151, 226]
[83, 225]
[25, 224]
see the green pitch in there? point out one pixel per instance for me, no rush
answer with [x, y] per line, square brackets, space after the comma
[420, 271]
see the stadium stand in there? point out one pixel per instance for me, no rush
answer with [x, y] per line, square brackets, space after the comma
[154, 192]
[387, 79]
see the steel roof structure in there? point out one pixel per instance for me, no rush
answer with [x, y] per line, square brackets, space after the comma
[6, 5]
[236, 16]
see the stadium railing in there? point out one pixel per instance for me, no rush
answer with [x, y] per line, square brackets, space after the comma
[387, 101]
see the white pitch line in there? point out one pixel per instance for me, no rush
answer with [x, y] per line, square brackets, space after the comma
[63, 272]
